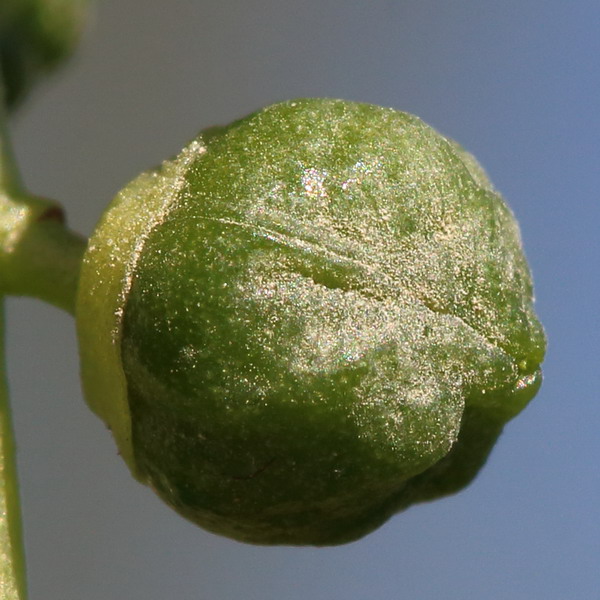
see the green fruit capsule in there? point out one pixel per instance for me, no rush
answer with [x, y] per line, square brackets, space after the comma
[307, 321]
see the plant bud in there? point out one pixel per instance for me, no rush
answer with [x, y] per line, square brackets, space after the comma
[308, 320]
[35, 36]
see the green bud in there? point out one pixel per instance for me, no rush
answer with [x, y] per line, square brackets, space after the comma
[35, 36]
[307, 321]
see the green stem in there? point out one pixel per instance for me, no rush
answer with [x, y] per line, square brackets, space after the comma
[12, 555]
[10, 180]
[39, 256]
[43, 262]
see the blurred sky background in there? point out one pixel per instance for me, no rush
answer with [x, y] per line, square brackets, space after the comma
[517, 82]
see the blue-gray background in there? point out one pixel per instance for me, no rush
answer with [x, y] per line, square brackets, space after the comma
[516, 82]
